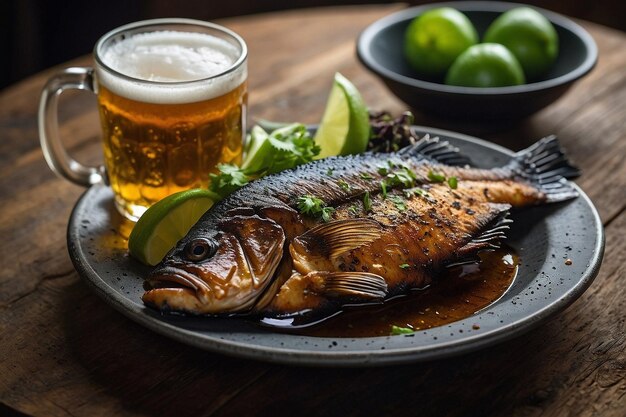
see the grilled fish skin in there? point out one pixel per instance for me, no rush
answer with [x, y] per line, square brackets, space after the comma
[254, 253]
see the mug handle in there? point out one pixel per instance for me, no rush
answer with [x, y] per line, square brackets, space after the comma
[59, 161]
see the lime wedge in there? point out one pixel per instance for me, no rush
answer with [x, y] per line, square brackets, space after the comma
[166, 222]
[345, 126]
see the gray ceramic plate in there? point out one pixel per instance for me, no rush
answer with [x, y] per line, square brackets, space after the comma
[543, 237]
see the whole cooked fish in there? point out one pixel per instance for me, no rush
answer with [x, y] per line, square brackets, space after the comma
[385, 223]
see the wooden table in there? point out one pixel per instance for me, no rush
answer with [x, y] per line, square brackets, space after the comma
[64, 352]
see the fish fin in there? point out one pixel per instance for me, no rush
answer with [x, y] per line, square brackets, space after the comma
[438, 150]
[332, 239]
[547, 168]
[317, 291]
[352, 285]
[489, 238]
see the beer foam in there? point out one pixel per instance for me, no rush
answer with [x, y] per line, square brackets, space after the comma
[169, 59]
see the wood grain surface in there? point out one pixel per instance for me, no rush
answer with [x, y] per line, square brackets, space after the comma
[64, 352]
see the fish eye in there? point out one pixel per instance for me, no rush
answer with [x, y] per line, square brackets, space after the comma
[200, 249]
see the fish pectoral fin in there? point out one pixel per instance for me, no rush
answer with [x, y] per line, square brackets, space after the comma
[489, 238]
[319, 290]
[330, 240]
[353, 285]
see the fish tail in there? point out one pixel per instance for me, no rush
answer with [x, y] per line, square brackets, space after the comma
[547, 168]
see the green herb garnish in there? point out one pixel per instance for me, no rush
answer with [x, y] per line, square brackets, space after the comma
[410, 192]
[367, 202]
[329, 172]
[266, 153]
[397, 330]
[398, 202]
[353, 209]
[315, 207]
[404, 266]
[453, 182]
[434, 177]
[366, 176]
[230, 179]
[343, 185]
[383, 187]
[404, 177]
[382, 170]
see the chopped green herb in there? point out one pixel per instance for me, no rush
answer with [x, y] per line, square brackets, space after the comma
[397, 330]
[230, 179]
[326, 213]
[404, 177]
[343, 185]
[434, 177]
[367, 202]
[354, 209]
[404, 266]
[313, 206]
[410, 192]
[329, 172]
[398, 202]
[382, 170]
[383, 187]
[453, 182]
[366, 176]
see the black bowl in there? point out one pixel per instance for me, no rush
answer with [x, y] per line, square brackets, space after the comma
[380, 49]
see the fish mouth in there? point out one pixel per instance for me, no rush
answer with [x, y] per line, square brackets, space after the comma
[171, 277]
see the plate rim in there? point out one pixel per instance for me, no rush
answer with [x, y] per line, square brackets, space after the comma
[344, 358]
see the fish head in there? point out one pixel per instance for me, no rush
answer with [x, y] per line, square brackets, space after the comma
[220, 269]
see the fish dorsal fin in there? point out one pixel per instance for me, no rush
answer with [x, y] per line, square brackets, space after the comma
[489, 238]
[332, 239]
[439, 150]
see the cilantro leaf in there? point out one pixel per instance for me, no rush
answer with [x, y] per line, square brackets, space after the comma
[343, 185]
[314, 207]
[435, 177]
[397, 330]
[367, 202]
[230, 179]
[398, 202]
[266, 153]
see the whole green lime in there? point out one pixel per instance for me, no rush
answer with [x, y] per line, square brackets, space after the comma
[436, 38]
[486, 65]
[529, 35]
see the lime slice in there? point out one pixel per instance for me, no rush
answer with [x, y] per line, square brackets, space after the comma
[345, 126]
[166, 222]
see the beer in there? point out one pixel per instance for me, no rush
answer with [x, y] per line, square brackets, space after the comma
[172, 106]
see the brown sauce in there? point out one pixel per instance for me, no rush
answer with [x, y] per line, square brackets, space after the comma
[457, 293]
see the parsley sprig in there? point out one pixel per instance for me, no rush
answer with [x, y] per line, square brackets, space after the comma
[266, 153]
[314, 207]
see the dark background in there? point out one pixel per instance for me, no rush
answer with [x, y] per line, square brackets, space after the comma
[37, 34]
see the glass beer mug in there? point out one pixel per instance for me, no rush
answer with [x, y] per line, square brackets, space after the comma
[172, 97]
